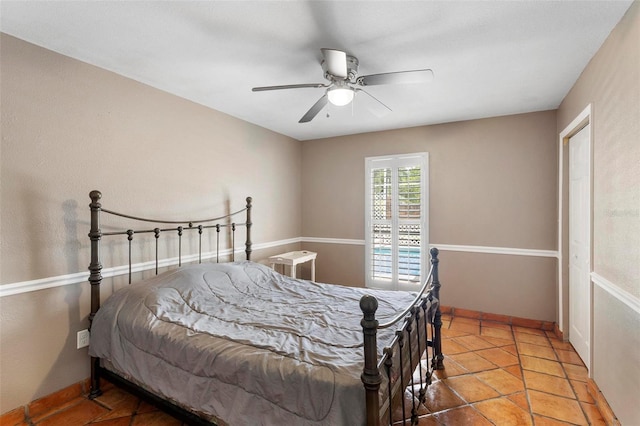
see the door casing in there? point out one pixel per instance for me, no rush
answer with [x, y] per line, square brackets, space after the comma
[584, 118]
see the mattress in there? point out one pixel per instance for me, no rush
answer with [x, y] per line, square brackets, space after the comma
[243, 343]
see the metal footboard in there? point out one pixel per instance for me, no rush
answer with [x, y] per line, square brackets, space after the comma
[418, 333]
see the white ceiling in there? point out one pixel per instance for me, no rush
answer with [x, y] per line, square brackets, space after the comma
[490, 58]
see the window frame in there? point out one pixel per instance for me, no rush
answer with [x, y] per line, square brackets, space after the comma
[395, 162]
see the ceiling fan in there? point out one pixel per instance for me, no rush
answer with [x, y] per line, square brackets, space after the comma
[341, 70]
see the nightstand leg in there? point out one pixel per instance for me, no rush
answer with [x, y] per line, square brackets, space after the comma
[293, 271]
[313, 270]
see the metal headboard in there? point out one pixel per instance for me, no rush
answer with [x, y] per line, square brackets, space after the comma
[182, 226]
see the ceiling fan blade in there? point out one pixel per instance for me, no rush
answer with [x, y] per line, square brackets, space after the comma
[336, 62]
[400, 77]
[380, 109]
[315, 109]
[289, 86]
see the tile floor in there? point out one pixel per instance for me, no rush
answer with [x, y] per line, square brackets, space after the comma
[495, 374]
[498, 374]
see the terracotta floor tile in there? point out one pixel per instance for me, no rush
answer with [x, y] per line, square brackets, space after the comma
[497, 341]
[532, 338]
[547, 383]
[576, 372]
[503, 412]
[463, 320]
[464, 329]
[451, 346]
[512, 349]
[556, 407]
[79, 414]
[520, 399]
[545, 421]
[115, 397]
[471, 389]
[408, 402]
[472, 362]
[551, 334]
[451, 369]
[124, 408]
[593, 414]
[416, 375]
[122, 421]
[473, 342]
[43, 406]
[439, 397]
[145, 407]
[501, 381]
[559, 344]
[537, 331]
[569, 357]
[465, 325]
[496, 332]
[545, 352]
[483, 360]
[428, 420]
[36, 417]
[157, 418]
[515, 370]
[582, 392]
[449, 332]
[501, 322]
[499, 357]
[542, 366]
[466, 415]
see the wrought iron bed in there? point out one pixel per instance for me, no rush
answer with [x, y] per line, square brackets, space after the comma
[384, 376]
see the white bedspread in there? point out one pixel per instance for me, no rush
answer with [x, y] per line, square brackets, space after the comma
[243, 343]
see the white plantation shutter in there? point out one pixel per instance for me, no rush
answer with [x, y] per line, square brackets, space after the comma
[396, 221]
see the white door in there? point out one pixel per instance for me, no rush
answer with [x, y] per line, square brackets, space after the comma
[580, 243]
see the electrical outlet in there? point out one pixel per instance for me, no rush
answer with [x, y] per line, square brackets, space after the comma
[83, 338]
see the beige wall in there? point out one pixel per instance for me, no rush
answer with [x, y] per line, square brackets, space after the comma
[611, 84]
[493, 182]
[68, 128]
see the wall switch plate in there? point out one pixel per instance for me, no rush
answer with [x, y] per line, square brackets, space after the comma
[83, 338]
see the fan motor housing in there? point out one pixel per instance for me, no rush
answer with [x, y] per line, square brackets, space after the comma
[352, 69]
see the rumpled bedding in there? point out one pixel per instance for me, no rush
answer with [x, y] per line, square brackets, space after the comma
[243, 343]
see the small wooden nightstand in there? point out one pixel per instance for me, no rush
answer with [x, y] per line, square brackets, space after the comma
[294, 258]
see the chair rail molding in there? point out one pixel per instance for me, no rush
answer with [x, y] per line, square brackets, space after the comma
[81, 277]
[623, 296]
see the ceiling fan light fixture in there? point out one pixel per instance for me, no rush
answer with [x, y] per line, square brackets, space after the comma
[340, 95]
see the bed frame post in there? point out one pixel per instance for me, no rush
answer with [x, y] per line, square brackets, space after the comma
[247, 244]
[438, 357]
[370, 377]
[95, 279]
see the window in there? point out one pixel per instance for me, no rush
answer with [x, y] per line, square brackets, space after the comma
[396, 226]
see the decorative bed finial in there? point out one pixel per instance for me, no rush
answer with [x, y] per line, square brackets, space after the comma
[368, 304]
[434, 253]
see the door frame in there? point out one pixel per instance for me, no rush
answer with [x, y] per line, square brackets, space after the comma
[583, 119]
